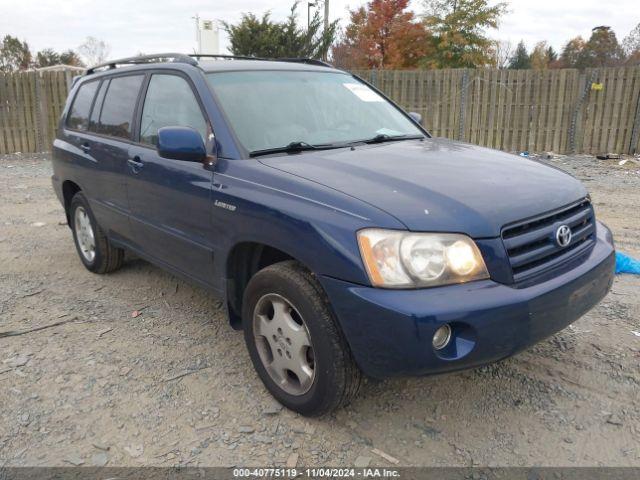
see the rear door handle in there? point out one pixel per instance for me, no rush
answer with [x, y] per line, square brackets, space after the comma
[135, 164]
[85, 147]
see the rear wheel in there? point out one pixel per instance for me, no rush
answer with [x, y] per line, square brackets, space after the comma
[295, 343]
[94, 249]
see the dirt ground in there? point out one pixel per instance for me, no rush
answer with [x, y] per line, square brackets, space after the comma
[174, 385]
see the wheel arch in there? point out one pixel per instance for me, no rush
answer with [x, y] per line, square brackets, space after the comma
[246, 258]
[69, 189]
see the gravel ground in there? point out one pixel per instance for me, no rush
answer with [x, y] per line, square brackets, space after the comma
[173, 384]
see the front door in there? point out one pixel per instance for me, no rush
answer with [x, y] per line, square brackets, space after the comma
[170, 200]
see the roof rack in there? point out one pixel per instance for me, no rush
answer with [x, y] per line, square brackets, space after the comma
[225, 57]
[141, 59]
[191, 60]
[310, 61]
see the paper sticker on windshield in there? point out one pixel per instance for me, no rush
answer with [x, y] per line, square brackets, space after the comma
[363, 92]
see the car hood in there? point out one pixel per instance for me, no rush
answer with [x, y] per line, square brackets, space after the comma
[439, 185]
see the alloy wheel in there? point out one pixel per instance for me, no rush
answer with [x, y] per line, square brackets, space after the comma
[284, 344]
[84, 234]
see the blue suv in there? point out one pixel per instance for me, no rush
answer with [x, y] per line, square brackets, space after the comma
[344, 239]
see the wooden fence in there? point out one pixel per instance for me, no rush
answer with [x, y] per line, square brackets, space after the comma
[592, 111]
[30, 105]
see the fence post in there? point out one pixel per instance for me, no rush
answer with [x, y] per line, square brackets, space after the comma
[635, 133]
[463, 102]
[576, 119]
[42, 121]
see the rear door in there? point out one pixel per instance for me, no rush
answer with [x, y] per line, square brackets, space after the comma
[108, 140]
[170, 200]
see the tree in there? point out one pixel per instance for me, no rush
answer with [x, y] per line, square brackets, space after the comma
[253, 36]
[14, 54]
[573, 53]
[382, 34]
[543, 57]
[631, 42]
[631, 46]
[502, 50]
[94, 51]
[602, 49]
[459, 31]
[262, 37]
[538, 57]
[520, 59]
[46, 58]
[69, 57]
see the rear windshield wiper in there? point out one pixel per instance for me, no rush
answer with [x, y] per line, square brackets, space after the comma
[383, 137]
[293, 147]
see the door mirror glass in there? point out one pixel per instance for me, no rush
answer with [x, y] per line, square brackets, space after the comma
[181, 143]
[416, 117]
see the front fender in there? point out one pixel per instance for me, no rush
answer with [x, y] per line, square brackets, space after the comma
[307, 221]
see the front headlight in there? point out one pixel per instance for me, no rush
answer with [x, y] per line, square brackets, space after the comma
[396, 259]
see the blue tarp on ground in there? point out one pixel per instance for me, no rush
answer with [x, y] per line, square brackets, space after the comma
[626, 264]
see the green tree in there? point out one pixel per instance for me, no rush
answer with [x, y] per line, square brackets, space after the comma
[46, 58]
[69, 57]
[459, 32]
[14, 54]
[520, 59]
[263, 37]
[602, 49]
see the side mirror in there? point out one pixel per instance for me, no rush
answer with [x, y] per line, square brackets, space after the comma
[181, 143]
[416, 117]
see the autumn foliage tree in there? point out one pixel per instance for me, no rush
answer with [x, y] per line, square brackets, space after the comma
[601, 50]
[382, 34]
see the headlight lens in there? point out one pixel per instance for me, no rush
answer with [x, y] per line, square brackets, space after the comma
[396, 259]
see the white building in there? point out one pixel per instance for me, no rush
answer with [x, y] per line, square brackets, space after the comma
[207, 36]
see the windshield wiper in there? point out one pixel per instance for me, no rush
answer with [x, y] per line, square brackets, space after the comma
[383, 137]
[292, 147]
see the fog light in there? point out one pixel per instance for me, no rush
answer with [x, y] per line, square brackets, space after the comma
[441, 337]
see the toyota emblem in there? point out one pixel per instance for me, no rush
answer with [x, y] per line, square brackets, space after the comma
[563, 235]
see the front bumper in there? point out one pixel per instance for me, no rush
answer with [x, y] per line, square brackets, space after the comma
[390, 331]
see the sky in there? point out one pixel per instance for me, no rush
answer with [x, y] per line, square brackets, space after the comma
[133, 26]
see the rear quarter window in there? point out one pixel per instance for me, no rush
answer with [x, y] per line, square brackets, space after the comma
[116, 117]
[79, 115]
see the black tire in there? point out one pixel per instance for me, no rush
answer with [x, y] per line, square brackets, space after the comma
[337, 378]
[107, 258]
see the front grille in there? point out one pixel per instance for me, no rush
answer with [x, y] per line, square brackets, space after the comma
[532, 247]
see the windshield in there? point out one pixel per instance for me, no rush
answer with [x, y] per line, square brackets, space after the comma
[269, 109]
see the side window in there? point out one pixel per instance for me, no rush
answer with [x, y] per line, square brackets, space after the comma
[116, 117]
[170, 102]
[97, 106]
[79, 115]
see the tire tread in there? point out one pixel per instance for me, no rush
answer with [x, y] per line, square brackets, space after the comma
[348, 377]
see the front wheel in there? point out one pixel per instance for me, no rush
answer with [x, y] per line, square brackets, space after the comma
[295, 343]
